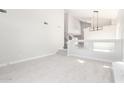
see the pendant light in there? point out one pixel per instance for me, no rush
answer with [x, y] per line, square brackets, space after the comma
[95, 22]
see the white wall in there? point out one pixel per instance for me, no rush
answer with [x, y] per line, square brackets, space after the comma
[121, 28]
[24, 35]
[73, 25]
[108, 32]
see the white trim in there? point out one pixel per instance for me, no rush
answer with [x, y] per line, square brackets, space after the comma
[26, 59]
[91, 58]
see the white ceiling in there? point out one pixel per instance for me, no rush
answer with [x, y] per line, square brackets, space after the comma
[87, 13]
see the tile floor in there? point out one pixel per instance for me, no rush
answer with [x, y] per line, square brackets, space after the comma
[58, 69]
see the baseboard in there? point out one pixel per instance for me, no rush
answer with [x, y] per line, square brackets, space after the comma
[27, 59]
[97, 59]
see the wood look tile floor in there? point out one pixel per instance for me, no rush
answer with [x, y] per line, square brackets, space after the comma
[58, 69]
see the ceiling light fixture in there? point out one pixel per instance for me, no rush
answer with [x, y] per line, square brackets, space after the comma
[95, 22]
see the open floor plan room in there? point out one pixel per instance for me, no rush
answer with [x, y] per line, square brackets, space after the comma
[61, 45]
